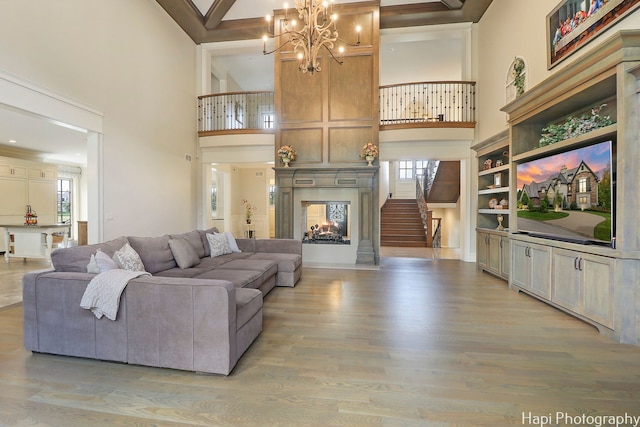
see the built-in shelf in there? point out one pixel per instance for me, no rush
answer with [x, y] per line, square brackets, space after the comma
[494, 170]
[494, 190]
[494, 211]
[584, 139]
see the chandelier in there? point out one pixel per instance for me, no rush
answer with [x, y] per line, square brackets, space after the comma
[318, 30]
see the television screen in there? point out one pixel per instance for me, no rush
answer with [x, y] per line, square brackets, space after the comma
[568, 196]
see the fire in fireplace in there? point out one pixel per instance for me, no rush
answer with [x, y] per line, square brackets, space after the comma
[326, 223]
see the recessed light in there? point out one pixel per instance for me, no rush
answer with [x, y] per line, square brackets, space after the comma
[12, 141]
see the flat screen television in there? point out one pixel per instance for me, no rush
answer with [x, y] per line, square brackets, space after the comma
[570, 195]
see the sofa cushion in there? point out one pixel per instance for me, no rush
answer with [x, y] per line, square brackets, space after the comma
[195, 239]
[154, 251]
[77, 258]
[266, 267]
[183, 252]
[218, 244]
[239, 278]
[286, 262]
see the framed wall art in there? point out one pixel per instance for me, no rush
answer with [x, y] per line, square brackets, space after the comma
[574, 23]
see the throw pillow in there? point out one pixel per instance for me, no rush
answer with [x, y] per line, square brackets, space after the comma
[105, 262]
[218, 244]
[233, 245]
[184, 253]
[92, 267]
[128, 259]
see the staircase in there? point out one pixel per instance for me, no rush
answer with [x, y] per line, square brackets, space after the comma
[401, 224]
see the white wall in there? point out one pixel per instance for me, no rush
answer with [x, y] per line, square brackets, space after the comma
[502, 34]
[132, 62]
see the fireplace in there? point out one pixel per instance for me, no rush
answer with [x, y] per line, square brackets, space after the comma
[326, 222]
[305, 197]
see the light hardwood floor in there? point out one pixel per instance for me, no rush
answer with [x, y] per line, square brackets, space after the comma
[419, 342]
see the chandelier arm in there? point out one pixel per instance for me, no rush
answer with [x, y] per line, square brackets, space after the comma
[333, 56]
[284, 43]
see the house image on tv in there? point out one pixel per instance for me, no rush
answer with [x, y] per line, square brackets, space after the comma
[578, 185]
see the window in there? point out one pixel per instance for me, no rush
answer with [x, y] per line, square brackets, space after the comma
[582, 185]
[268, 120]
[405, 169]
[64, 200]
[421, 165]
[272, 195]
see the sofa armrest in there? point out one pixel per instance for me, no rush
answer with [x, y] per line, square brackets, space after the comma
[182, 323]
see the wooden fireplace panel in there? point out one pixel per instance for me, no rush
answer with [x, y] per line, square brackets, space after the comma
[345, 143]
[307, 143]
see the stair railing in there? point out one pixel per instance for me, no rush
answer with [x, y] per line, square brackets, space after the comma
[437, 234]
[425, 213]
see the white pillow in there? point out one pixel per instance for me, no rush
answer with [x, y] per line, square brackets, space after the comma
[233, 245]
[105, 262]
[128, 259]
[218, 244]
[92, 267]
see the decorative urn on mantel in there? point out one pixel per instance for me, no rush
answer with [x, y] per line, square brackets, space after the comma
[287, 154]
[369, 152]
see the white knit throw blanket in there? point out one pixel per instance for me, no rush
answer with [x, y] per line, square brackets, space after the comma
[102, 295]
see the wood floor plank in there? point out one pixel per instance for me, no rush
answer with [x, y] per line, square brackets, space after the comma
[418, 342]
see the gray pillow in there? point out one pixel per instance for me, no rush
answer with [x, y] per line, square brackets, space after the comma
[183, 252]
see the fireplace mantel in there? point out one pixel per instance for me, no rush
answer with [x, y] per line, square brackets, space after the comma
[363, 179]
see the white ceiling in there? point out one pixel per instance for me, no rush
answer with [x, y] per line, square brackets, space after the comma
[54, 142]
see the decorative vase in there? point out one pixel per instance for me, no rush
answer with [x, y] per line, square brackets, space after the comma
[369, 159]
[286, 161]
[248, 220]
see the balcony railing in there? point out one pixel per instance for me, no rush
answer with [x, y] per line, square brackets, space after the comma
[424, 104]
[245, 112]
[428, 104]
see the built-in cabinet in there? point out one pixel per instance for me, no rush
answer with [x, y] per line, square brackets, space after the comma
[584, 284]
[492, 240]
[493, 253]
[23, 183]
[596, 283]
[531, 268]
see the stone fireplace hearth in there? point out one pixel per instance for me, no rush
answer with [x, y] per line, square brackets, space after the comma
[354, 187]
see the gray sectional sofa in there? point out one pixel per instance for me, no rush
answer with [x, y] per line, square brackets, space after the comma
[201, 317]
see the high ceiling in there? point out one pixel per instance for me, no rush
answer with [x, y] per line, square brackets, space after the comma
[224, 20]
[235, 21]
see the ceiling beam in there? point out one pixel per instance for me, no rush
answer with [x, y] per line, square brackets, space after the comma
[213, 28]
[216, 13]
[453, 4]
[419, 14]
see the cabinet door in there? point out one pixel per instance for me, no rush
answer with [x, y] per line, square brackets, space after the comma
[505, 255]
[43, 172]
[494, 253]
[598, 277]
[566, 279]
[520, 275]
[482, 249]
[540, 276]
[42, 198]
[14, 196]
[13, 170]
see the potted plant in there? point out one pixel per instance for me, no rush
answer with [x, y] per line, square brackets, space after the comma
[249, 209]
